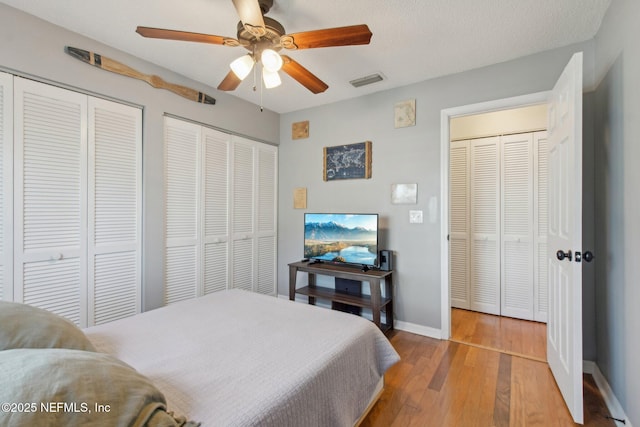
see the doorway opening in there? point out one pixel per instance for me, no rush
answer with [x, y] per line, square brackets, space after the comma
[469, 324]
[498, 230]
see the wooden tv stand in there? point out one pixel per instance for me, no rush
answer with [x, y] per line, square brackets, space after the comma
[375, 301]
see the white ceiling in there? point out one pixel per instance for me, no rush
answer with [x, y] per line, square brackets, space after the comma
[413, 40]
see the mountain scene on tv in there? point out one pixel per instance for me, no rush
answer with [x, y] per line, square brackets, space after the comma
[341, 238]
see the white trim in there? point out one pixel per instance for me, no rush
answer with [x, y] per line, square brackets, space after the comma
[445, 117]
[413, 328]
[610, 399]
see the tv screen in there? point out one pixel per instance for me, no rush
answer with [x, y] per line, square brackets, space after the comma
[345, 238]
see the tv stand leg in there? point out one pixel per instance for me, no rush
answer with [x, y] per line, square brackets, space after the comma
[312, 284]
[293, 273]
[376, 299]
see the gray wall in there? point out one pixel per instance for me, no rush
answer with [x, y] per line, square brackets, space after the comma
[617, 152]
[31, 46]
[408, 155]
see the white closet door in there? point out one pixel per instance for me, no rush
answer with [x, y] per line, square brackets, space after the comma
[459, 223]
[115, 189]
[517, 226]
[216, 210]
[243, 214]
[266, 219]
[6, 187]
[541, 280]
[50, 199]
[182, 189]
[485, 225]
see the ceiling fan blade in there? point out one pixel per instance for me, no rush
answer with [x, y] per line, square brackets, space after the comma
[230, 82]
[303, 76]
[341, 36]
[251, 16]
[160, 33]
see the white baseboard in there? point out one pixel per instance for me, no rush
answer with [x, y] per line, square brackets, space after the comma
[609, 397]
[418, 329]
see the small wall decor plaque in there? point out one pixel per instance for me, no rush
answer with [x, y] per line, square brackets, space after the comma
[351, 161]
[405, 113]
[404, 194]
[300, 198]
[300, 130]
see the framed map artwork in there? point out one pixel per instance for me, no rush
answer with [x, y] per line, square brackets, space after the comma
[351, 161]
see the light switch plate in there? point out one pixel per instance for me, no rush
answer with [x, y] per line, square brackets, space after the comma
[415, 217]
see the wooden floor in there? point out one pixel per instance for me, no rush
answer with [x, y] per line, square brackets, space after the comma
[511, 336]
[444, 383]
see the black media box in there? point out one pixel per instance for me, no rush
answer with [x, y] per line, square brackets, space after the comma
[386, 260]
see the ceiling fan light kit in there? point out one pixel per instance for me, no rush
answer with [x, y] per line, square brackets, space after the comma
[271, 60]
[242, 66]
[271, 78]
[264, 37]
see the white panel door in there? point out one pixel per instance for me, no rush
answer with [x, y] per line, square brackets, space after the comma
[243, 214]
[266, 219]
[564, 328]
[182, 202]
[6, 187]
[459, 223]
[540, 268]
[50, 199]
[485, 225]
[215, 210]
[115, 214]
[517, 226]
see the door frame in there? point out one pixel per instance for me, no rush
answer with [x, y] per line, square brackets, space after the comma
[445, 117]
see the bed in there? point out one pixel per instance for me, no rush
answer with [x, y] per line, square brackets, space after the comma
[244, 359]
[236, 358]
[232, 358]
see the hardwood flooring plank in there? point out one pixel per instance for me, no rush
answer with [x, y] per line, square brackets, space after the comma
[443, 368]
[502, 405]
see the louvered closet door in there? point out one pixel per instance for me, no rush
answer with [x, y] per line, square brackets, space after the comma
[485, 225]
[6, 187]
[517, 226]
[243, 214]
[216, 210]
[50, 198]
[115, 189]
[266, 219]
[182, 189]
[459, 223]
[541, 283]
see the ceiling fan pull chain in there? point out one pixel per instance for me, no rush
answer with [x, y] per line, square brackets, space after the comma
[261, 91]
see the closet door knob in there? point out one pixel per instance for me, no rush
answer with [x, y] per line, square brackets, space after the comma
[587, 256]
[561, 255]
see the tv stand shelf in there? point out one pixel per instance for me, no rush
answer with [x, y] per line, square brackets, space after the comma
[375, 301]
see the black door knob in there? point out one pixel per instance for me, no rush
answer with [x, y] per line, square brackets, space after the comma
[587, 256]
[561, 255]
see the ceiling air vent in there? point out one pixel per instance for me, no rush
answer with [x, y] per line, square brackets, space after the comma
[363, 81]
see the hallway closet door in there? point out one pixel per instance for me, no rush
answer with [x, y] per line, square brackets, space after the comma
[498, 225]
[516, 282]
[485, 225]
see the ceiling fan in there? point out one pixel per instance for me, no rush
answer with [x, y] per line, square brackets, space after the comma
[264, 37]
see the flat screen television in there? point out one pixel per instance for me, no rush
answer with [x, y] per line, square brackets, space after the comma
[341, 238]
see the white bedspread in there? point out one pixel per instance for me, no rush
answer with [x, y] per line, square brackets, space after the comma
[236, 358]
